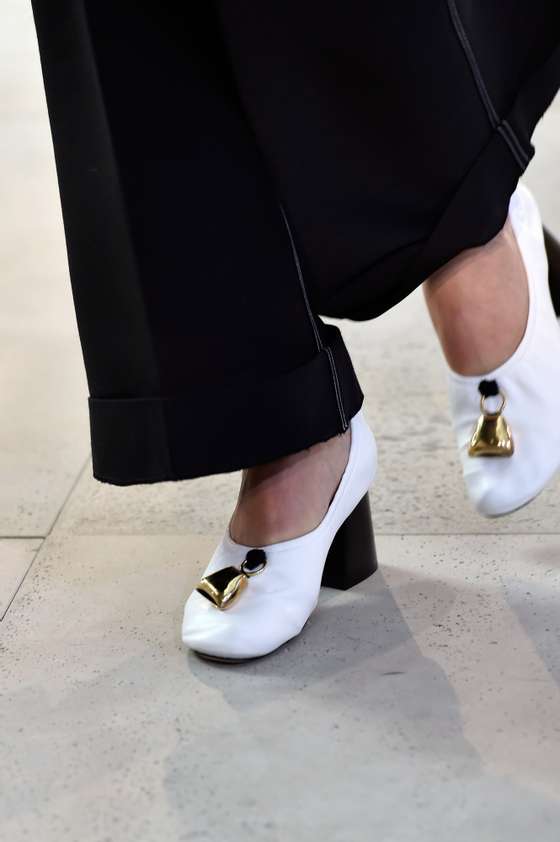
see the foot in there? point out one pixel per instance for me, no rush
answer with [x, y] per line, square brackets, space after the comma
[254, 597]
[290, 496]
[479, 303]
[494, 315]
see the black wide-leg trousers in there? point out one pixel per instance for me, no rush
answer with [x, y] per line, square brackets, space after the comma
[231, 172]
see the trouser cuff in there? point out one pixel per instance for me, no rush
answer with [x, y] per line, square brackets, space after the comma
[225, 427]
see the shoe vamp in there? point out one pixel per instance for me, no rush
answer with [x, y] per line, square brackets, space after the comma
[252, 626]
[532, 412]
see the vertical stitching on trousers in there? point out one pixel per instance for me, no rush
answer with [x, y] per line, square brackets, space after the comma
[475, 70]
[515, 140]
[318, 340]
[509, 141]
[338, 393]
[503, 127]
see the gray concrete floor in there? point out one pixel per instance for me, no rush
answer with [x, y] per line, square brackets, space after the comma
[422, 705]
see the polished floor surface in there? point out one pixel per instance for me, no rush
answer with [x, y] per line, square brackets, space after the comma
[422, 705]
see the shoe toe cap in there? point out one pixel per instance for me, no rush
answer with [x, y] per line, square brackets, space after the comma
[495, 502]
[208, 630]
[242, 631]
[493, 495]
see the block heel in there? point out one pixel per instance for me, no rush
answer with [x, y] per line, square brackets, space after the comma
[552, 247]
[352, 556]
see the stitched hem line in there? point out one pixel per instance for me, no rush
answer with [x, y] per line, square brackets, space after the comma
[337, 390]
[502, 126]
[318, 340]
[301, 283]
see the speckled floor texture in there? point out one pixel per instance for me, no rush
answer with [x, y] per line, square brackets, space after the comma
[421, 706]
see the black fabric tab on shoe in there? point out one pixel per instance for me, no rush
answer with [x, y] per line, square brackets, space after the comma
[488, 388]
[255, 560]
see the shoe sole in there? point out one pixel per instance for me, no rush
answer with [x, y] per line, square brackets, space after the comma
[512, 511]
[219, 660]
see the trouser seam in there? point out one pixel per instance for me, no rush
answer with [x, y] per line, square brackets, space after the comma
[501, 126]
[337, 390]
[318, 340]
[512, 141]
[297, 262]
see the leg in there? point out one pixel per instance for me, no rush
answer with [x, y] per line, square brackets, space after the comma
[398, 160]
[503, 352]
[201, 349]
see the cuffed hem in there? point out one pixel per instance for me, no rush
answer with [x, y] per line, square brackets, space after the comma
[474, 214]
[218, 429]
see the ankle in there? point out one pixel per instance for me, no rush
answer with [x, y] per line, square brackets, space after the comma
[479, 304]
[289, 496]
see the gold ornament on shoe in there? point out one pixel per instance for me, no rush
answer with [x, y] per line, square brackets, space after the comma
[492, 435]
[224, 587]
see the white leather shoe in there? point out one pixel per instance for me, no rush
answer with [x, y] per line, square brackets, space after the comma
[507, 421]
[251, 600]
